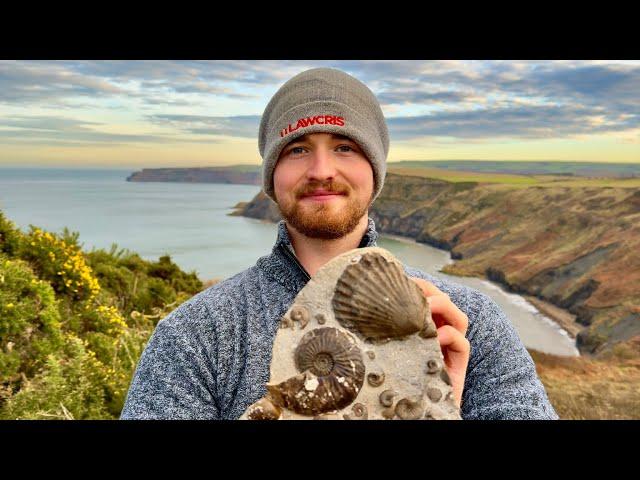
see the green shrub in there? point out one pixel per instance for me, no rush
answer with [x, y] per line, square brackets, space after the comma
[30, 327]
[73, 324]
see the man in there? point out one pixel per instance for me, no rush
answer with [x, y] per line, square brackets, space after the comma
[324, 143]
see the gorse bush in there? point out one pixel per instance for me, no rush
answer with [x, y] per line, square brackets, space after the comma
[61, 262]
[73, 324]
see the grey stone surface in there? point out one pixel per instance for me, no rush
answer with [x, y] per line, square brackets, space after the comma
[403, 376]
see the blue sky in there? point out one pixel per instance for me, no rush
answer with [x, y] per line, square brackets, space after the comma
[192, 113]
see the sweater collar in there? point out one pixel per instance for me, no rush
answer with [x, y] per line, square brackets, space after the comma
[284, 269]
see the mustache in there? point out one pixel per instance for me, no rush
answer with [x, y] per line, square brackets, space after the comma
[308, 190]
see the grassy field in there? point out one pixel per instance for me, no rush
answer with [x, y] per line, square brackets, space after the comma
[456, 176]
[550, 167]
[461, 176]
[581, 388]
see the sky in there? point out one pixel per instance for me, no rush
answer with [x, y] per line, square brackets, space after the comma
[137, 114]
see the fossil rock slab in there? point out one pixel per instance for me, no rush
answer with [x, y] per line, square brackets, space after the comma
[358, 342]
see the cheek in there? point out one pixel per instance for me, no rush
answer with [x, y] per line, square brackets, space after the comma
[362, 175]
[284, 178]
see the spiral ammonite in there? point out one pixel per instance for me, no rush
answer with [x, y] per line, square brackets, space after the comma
[332, 373]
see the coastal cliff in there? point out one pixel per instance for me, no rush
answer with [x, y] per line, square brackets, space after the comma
[573, 245]
[249, 175]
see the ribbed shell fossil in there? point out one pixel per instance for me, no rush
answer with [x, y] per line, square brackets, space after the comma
[409, 408]
[377, 299]
[333, 374]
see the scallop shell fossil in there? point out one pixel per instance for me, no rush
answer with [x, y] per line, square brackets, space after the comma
[357, 343]
[375, 298]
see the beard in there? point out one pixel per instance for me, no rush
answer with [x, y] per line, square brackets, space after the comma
[323, 219]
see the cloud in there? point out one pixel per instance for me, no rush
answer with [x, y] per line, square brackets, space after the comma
[23, 83]
[526, 122]
[456, 99]
[65, 131]
[236, 126]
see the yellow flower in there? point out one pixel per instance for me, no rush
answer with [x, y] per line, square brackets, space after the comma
[9, 305]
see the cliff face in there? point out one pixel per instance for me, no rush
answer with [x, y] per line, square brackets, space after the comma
[574, 247]
[196, 175]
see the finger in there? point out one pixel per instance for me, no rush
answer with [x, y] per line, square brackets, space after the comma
[453, 340]
[427, 287]
[445, 312]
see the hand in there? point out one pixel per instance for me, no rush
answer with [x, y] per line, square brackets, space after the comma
[452, 326]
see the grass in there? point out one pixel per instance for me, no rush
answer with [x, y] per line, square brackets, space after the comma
[460, 176]
[513, 180]
[581, 388]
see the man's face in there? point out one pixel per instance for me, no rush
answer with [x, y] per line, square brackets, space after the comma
[323, 163]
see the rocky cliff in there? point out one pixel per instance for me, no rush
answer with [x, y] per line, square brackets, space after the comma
[574, 246]
[197, 175]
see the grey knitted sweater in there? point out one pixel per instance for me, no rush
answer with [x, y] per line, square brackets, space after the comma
[210, 357]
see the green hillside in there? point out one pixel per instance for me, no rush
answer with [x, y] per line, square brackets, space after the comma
[73, 324]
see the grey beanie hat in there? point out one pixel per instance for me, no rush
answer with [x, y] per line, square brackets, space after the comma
[329, 101]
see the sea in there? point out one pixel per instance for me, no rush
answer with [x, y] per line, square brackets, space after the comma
[191, 223]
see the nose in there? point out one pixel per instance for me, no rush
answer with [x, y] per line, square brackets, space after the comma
[322, 165]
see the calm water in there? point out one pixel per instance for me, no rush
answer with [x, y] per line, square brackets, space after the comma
[190, 223]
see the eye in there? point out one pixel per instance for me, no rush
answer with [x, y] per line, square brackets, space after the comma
[296, 150]
[348, 147]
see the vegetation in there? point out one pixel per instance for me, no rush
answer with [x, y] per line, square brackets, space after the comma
[583, 388]
[73, 324]
[509, 180]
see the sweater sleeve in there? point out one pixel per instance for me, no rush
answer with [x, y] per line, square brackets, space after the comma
[501, 381]
[175, 377]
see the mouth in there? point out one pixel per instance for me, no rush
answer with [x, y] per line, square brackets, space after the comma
[323, 197]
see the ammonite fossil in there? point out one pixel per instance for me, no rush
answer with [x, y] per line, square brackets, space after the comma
[357, 343]
[264, 409]
[375, 298]
[332, 374]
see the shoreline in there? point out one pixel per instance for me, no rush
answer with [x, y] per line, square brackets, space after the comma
[561, 317]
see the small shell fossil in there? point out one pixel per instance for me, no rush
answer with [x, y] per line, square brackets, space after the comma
[332, 374]
[434, 394]
[286, 322]
[375, 379]
[386, 398]
[300, 314]
[445, 376]
[264, 409]
[409, 408]
[375, 298]
[388, 413]
[371, 354]
[320, 317]
[433, 366]
[359, 412]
